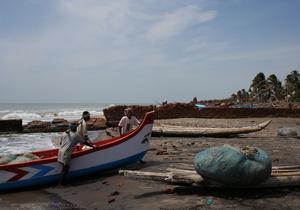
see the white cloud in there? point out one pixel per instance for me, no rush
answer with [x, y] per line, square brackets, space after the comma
[95, 10]
[113, 42]
[98, 34]
[262, 54]
[177, 21]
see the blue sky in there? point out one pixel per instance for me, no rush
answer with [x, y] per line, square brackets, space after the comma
[144, 51]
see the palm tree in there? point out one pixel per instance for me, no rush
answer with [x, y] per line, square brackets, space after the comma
[292, 84]
[292, 81]
[275, 89]
[259, 86]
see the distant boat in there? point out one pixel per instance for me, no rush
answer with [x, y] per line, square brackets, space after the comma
[108, 154]
[200, 106]
[184, 131]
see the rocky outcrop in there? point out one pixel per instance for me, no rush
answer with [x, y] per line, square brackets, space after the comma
[97, 123]
[11, 125]
[60, 125]
[36, 126]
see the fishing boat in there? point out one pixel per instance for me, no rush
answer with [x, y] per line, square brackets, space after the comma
[184, 131]
[107, 155]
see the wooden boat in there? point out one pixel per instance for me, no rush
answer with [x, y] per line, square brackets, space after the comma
[108, 154]
[183, 131]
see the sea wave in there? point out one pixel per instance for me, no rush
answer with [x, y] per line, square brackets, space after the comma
[26, 117]
[48, 116]
[22, 143]
[76, 114]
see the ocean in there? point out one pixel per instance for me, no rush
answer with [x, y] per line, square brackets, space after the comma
[48, 111]
[22, 143]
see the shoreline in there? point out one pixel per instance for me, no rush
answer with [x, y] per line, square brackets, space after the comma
[113, 114]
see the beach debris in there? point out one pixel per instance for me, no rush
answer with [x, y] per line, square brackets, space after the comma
[110, 200]
[169, 191]
[287, 132]
[161, 152]
[210, 201]
[234, 166]
[120, 184]
[115, 193]
[105, 182]
[282, 176]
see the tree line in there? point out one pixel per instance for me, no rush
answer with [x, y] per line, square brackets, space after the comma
[264, 89]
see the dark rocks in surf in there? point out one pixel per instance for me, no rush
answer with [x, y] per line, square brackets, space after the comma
[60, 125]
[11, 125]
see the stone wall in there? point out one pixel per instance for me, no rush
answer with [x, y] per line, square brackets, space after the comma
[11, 125]
[248, 112]
[188, 110]
[115, 113]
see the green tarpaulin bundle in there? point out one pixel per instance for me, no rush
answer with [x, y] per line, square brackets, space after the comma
[233, 166]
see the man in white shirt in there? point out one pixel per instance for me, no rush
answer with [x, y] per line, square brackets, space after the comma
[127, 122]
[82, 125]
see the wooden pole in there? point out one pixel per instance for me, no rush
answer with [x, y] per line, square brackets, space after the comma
[187, 177]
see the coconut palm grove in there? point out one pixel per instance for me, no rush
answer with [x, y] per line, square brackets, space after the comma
[269, 88]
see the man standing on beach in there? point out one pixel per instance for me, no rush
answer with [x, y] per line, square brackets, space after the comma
[127, 122]
[82, 125]
[68, 142]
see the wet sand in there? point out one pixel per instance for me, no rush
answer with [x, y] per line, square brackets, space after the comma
[112, 191]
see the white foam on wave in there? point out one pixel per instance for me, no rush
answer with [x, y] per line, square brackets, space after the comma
[26, 117]
[76, 114]
[23, 143]
[70, 114]
[48, 116]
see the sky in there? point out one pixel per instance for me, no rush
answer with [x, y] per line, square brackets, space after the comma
[142, 51]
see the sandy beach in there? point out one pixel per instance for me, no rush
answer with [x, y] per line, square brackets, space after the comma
[112, 191]
[89, 66]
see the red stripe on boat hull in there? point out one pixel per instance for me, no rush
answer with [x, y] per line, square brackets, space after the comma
[19, 174]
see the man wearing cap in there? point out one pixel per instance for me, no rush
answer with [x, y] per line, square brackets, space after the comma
[68, 142]
[127, 122]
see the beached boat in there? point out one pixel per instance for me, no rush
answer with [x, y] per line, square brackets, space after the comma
[108, 154]
[184, 131]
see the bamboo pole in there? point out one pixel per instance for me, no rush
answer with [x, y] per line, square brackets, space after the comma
[294, 173]
[188, 177]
